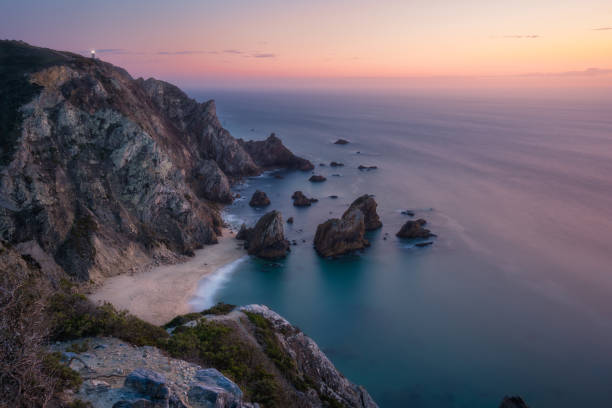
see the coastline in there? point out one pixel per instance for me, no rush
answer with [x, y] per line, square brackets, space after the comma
[163, 292]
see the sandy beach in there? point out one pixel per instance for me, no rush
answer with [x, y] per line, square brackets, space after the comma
[163, 292]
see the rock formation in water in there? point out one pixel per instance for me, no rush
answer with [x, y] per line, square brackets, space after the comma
[339, 236]
[362, 167]
[106, 173]
[300, 200]
[341, 142]
[316, 178]
[259, 199]
[271, 153]
[513, 402]
[367, 205]
[414, 229]
[336, 164]
[267, 238]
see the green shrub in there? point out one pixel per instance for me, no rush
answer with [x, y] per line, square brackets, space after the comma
[66, 377]
[218, 309]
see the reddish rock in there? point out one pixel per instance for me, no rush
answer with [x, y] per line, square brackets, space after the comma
[267, 238]
[367, 205]
[271, 153]
[339, 236]
[414, 229]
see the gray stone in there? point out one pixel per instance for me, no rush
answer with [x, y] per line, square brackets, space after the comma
[148, 383]
[213, 377]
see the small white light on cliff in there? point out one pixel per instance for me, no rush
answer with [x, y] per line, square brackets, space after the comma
[93, 53]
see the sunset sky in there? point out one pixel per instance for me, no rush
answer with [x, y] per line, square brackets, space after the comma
[192, 42]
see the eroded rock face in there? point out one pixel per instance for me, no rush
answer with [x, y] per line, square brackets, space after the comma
[267, 238]
[339, 236]
[414, 229]
[271, 153]
[367, 205]
[259, 199]
[106, 173]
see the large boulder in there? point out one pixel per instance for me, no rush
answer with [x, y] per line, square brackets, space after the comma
[259, 199]
[267, 238]
[213, 389]
[148, 383]
[367, 205]
[271, 153]
[339, 236]
[414, 229]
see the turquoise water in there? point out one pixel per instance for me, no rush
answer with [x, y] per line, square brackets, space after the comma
[514, 295]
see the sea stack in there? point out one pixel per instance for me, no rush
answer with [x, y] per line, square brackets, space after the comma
[367, 205]
[414, 229]
[259, 199]
[300, 200]
[271, 153]
[267, 238]
[339, 236]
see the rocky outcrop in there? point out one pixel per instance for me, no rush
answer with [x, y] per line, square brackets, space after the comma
[367, 205]
[513, 402]
[414, 229]
[271, 153]
[267, 238]
[313, 364]
[316, 178]
[339, 236]
[119, 375]
[300, 200]
[106, 173]
[259, 199]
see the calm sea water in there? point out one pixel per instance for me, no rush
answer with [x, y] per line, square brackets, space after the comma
[515, 295]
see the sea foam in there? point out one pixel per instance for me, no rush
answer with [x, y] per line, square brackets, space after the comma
[211, 284]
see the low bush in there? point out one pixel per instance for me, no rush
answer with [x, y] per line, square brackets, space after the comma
[218, 309]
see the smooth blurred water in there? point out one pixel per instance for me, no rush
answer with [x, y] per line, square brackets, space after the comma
[514, 297]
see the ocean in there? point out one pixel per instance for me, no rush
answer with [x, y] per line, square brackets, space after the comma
[514, 296]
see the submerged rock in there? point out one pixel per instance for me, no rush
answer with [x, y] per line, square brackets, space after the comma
[271, 153]
[336, 164]
[267, 238]
[367, 205]
[409, 213]
[300, 200]
[259, 199]
[362, 167]
[341, 142]
[414, 229]
[339, 236]
[315, 178]
[513, 402]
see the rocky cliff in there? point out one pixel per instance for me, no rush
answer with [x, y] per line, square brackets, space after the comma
[106, 173]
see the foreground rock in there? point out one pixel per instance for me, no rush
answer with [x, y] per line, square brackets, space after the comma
[267, 238]
[300, 200]
[259, 199]
[104, 173]
[120, 375]
[271, 153]
[414, 229]
[339, 236]
[367, 205]
[315, 178]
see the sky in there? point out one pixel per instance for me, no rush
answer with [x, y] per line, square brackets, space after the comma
[356, 42]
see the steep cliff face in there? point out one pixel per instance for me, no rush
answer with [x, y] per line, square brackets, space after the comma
[105, 172]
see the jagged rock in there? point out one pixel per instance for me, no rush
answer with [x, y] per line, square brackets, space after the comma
[300, 200]
[315, 178]
[259, 199]
[336, 164]
[148, 383]
[267, 238]
[367, 205]
[341, 142]
[414, 229]
[271, 153]
[513, 402]
[211, 183]
[340, 236]
[362, 167]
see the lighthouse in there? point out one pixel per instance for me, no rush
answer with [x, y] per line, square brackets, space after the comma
[93, 54]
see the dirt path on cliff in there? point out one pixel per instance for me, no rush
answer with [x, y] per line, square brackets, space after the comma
[163, 292]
